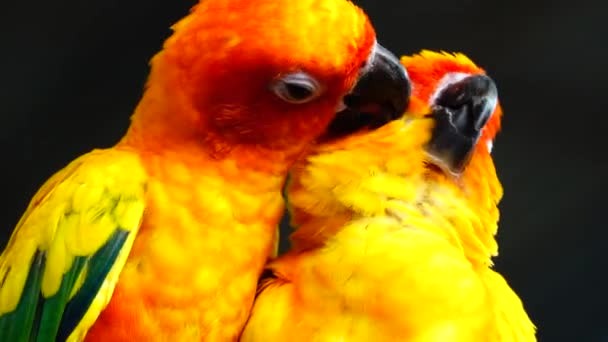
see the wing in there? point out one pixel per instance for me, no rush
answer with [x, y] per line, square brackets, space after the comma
[62, 262]
[512, 320]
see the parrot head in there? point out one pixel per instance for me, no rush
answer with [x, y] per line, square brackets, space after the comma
[464, 102]
[270, 75]
[431, 169]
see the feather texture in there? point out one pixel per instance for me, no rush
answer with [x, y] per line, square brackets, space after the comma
[388, 247]
[215, 144]
[63, 260]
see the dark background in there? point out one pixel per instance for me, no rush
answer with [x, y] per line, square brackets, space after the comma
[72, 71]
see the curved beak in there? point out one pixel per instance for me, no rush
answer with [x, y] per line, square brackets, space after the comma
[461, 111]
[380, 95]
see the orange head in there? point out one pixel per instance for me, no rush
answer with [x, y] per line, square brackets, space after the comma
[268, 74]
[464, 102]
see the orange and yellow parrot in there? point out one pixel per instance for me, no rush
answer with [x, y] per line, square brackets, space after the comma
[163, 237]
[395, 226]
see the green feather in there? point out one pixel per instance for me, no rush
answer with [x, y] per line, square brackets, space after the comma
[17, 325]
[99, 267]
[53, 307]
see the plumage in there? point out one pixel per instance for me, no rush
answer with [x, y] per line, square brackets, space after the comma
[389, 247]
[70, 246]
[164, 236]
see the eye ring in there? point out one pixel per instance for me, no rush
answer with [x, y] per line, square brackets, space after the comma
[297, 88]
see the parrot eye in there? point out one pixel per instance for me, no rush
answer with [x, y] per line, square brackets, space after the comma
[297, 88]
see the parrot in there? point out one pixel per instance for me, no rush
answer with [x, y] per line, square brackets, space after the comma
[395, 225]
[164, 235]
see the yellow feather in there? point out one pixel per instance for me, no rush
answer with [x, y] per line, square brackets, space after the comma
[408, 264]
[128, 214]
[56, 260]
[104, 294]
[73, 214]
[14, 280]
[86, 194]
[96, 226]
[79, 281]
[514, 324]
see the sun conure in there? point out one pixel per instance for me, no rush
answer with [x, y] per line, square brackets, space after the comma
[163, 236]
[395, 226]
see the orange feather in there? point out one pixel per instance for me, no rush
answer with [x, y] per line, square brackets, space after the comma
[216, 146]
[388, 247]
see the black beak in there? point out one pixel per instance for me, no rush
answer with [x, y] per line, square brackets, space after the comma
[380, 95]
[461, 110]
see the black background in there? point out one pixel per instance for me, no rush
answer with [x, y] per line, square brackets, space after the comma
[72, 71]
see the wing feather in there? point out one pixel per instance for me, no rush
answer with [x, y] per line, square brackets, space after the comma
[62, 263]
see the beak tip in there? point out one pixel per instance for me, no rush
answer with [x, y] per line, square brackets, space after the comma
[399, 86]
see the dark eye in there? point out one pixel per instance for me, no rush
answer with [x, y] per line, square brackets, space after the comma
[296, 88]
